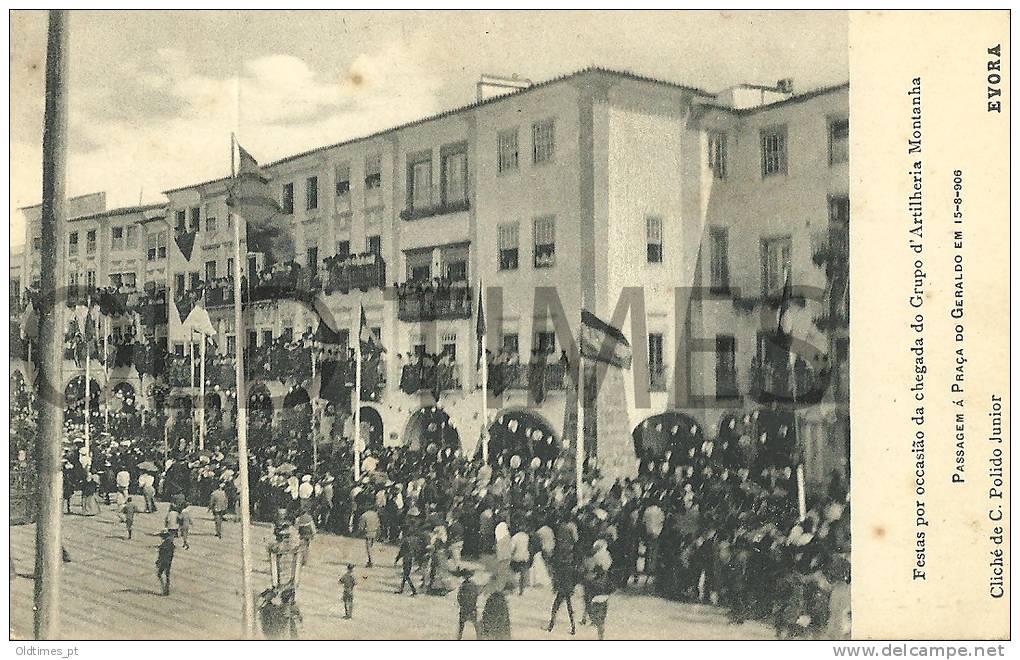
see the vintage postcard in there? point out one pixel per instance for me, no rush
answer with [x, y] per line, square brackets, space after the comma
[510, 325]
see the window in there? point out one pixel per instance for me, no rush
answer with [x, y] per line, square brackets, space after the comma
[456, 271]
[545, 341]
[374, 245]
[116, 238]
[510, 343]
[151, 246]
[839, 210]
[231, 344]
[210, 271]
[545, 242]
[288, 198]
[839, 141]
[343, 249]
[90, 242]
[773, 151]
[90, 279]
[775, 264]
[181, 220]
[312, 193]
[506, 150]
[508, 246]
[454, 174]
[36, 243]
[196, 279]
[230, 267]
[267, 337]
[653, 236]
[719, 265]
[725, 367]
[178, 281]
[72, 279]
[116, 280]
[196, 219]
[210, 224]
[312, 260]
[130, 280]
[161, 245]
[656, 366]
[420, 273]
[253, 338]
[373, 172]
[179, 348]
[72, 244]
[131, 236]
[717, 154]
[543, 141]
[419, 181]
[343, 180]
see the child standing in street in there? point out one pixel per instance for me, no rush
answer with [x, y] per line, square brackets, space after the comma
[128, 512]
[347, 581]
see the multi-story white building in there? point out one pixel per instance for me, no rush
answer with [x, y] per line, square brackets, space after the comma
[671, 211]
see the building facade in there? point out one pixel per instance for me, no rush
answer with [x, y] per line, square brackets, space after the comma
[678, 215]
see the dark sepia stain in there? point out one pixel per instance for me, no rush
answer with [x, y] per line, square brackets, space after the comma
[356, 79]
[878, 531]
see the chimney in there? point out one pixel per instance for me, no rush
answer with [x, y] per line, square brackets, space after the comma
[492, 86]
[785, 85]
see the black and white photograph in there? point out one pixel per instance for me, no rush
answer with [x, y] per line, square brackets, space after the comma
[429, 325]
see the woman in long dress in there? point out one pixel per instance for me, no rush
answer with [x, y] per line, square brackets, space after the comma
[496, 616]
[90, 496]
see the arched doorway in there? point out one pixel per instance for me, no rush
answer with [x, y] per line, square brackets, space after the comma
[525, 434]
[671, 438]
[430, 425]
[371, 428]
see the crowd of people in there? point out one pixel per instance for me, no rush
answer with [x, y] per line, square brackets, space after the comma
[439, 297]
[712, 521]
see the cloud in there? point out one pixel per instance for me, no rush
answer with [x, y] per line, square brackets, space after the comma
[162, 122]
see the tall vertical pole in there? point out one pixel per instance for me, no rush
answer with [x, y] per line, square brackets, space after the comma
[357, 399]
[485, 401]
[242, 431]
[191, 382]
[579, 445]
[201, 392]
[49, 440]
[315, 424]
[88, 376]
[106, 372]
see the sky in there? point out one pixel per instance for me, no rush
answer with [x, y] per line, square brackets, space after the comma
[154, 95]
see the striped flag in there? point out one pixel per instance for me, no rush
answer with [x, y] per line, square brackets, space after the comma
[602, 342]
[267, 229]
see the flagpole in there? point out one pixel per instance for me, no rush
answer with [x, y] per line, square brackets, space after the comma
[357, 398]
[801, 493]
[311, 409]
[88, 385]
[49, 438]
[485, 401]
[106, 371]
[483, 358]
[201, 394]
[579, 444]
[242, 430]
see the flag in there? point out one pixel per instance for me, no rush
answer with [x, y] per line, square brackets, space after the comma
[29, 323]
[198, 321]
[266, 227]
[480, 328]
[186, 242]
[783, 319]
[327, 331]
[604, 343]
[369, 344]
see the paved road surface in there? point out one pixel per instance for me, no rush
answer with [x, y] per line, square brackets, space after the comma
[110, 591]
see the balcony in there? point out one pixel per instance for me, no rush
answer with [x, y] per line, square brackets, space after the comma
[515, 376]
[774, 381]
[361, 271]
[417, 213]
[434, 301]
[427, 375]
